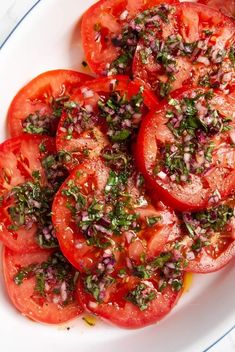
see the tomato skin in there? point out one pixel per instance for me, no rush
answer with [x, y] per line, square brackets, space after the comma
[193, 196]
[23, 158]
[21, 295]
[125, 314]
[37, 94]
[123, 83]
[107, 13]
[96, 139]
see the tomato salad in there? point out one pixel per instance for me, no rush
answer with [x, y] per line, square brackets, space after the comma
[114, 187]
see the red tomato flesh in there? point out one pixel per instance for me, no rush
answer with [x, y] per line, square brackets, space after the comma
[172, 149]
[226, 6]
[24, 159]
[102, 23]
[193, 48]
[36, 107]
[44, 306]
[125, 301]
[99, 223]
[206, 242]
[84, 131]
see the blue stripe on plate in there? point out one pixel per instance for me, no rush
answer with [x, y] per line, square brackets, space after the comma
[4, 42]
[17, 25]
[221, 338]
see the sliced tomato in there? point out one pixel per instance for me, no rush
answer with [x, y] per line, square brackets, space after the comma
[226, 6]
[185, 160]
[90, 219]
[36, 108]
[20, 157]
[129, 302]
[206, 242]
[102, 23]
[43, 294]
[195, 47]
[84, 132]
[26, 187]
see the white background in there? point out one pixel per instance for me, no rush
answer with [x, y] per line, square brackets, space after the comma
[11, 11]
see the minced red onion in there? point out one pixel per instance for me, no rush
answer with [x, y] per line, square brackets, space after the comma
[187, 157]
[93, 304]
[63, 291]
[129, 263]
[107, 253]
[190, 255]
[204, 60]
[129, 235]
[162, 175]
[124, 15]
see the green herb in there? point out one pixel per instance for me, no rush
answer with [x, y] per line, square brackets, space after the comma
[177, 285]
[215, 218]
[208, 31]
[32, 205]
[232, 55]
[121, 220]
[142, 272]
[93, 283]
[24, 273]
[55, 170]
[98, 242]
[165, 88]
[120, 136]
[197, 245]
[161, 260]
[204, 81]
[42, 147]
[152, 220]
[56, 267]
[141, 296]
[119, 114]
[190, 228]
[73, 191]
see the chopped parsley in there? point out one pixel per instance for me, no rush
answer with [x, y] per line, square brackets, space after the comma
[120, 114]
[32, 205]
[215, 218]
[132, 32]
[141, 296]
[191, 120]
[97, 285]
[152, 220]
[45, 124]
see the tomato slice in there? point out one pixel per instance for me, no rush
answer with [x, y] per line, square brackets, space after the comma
[226, 6]
[99, 209]
[195, 47]
[36, 108]
[127, 300]
[101, 113]
[184, 149]
[103, 23]
[30, 175]
[206, 242]
[20, 157]
[41, 285]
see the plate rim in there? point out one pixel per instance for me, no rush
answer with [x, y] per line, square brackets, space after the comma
[1, 46]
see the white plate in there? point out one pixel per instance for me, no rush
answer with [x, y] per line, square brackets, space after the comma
[48, 38]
